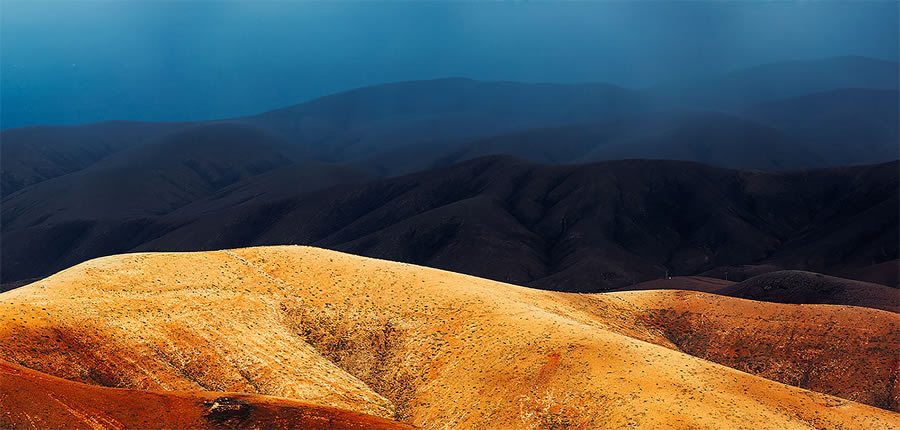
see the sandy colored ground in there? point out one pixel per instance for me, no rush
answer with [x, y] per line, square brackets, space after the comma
[431, 348]
[36, 400]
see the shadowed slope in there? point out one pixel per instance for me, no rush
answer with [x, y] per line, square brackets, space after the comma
[35, 154]
[794, 286]
[443, 349]
[787, 286]
[847, 126]
[740, 272]
[886, 273]
[575, 228]
[153, 179]
[688, 283]
[34, 400]
[580, 228]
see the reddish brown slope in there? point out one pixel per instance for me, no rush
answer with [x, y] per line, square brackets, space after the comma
[849, 352]
[36, 400]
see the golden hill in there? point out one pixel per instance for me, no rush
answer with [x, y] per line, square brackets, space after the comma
[441, 350]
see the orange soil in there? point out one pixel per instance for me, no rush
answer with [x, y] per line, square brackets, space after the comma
[845, 351]
[432, 348]
[33, 399]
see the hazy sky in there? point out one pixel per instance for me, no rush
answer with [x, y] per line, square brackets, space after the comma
[80, 61]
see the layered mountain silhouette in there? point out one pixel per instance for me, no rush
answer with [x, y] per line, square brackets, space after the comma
[571, 228]
[801, 112]
[78, 192]
[782, 80]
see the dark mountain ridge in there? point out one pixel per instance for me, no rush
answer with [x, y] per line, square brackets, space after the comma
[572, 228]
[435, 122]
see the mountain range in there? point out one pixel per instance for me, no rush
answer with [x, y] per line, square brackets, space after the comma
[563, 227]
[424, 172]
[721, 253]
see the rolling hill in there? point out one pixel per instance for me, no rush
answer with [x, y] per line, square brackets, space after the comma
[794, 286]
[434, 349]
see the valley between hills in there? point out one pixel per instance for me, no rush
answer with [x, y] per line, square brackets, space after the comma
[294, 336]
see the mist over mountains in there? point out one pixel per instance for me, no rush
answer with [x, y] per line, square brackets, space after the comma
[79, 62]
[71, 193]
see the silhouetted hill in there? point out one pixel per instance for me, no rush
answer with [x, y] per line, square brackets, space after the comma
[35, 154]
[842, 126]
[788, 134]
[886, 273]
[686, 283]
[716, 139]
[154, 178]
[739, 272]
[278, 184]
[573, 228]
[578, 227]
[781, 80]
[365, 121]
[799, 287]
[786, 286]
[340, 127]
[403, 127]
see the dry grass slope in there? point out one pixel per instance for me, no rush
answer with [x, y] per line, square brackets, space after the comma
[431, 348]
[36, 400]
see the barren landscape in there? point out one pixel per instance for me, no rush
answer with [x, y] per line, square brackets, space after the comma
[37, 400]
[441, 215]
[433, 349]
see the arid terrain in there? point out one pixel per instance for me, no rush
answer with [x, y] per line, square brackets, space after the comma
[33, 399]
[441, 215]
[436, 349]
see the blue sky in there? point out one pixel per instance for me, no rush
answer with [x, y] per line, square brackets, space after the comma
[70, 62]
